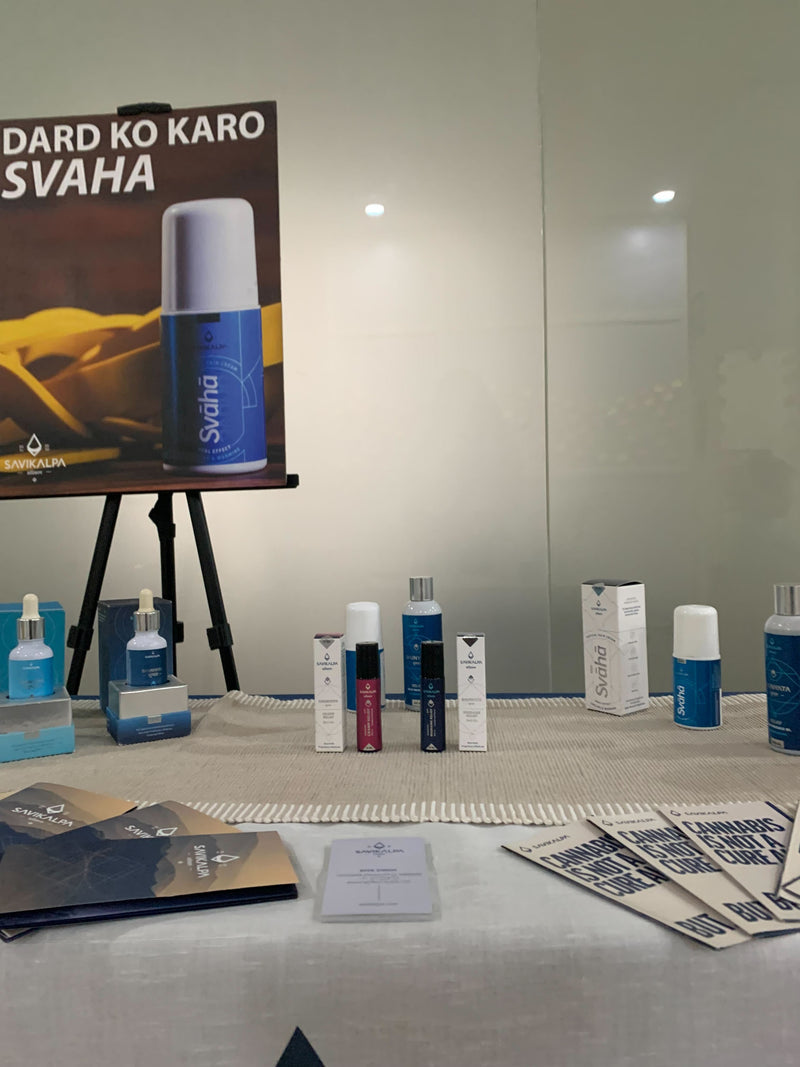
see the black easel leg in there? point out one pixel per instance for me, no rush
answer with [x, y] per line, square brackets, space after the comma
[80, 636]
[161, 516]
[219, 633]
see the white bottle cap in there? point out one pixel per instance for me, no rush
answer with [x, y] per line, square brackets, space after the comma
[146, 618]
[695, 632]
[30, 606]
[208, 257]
[30, 624]
[362, 622]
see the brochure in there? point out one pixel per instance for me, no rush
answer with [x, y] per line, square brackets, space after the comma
[79, 877]
[44, 809]
[169, 819]
[790, 875]
[584, 854]
[748, 840]
[650, 835]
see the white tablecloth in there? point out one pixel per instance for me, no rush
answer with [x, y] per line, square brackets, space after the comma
[522, 969]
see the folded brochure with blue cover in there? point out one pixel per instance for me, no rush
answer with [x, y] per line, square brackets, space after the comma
[71, 856]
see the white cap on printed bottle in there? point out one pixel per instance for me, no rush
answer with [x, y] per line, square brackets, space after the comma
[208, 257]
[695, 632]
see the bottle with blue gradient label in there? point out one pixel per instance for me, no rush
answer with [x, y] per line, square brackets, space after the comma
[422, 621]
[30, 662]
[30, 678]
[782, 665]
[146, 652]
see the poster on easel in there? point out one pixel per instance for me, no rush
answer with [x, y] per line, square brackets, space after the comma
[140, 303]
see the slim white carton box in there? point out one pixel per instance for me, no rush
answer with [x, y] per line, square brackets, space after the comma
[614, 646]
[471, 657]
[330, 692]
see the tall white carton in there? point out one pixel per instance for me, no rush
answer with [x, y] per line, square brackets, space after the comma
[614, 646]
[330, 692]
[471, 657]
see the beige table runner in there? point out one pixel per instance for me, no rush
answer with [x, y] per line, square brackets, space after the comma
[550, 761]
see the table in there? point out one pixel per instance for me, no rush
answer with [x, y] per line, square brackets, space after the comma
[523, 969]
[549, 761]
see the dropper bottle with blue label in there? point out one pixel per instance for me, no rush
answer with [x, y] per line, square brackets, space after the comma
[146, 652]
[30, 664]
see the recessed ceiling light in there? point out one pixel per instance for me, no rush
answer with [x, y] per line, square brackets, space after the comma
[375, 210]
[664, 196]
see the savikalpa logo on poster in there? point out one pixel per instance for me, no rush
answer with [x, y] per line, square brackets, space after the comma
[140, 303]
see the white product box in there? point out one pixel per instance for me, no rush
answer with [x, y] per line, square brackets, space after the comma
[330, 692]
[614, 646]
[471, 657]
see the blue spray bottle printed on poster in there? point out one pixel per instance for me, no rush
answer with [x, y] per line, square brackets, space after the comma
[213, 412]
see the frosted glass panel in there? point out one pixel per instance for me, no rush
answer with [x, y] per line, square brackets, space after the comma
[672, 345]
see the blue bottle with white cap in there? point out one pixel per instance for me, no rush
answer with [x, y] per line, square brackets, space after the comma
[213, 419]
[782, 661]
[696, 669]
[422, 621]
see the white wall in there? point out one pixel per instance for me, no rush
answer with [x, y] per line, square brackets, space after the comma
[674, 338]
[413, 344]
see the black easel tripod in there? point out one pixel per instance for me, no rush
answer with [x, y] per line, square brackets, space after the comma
[219, 633]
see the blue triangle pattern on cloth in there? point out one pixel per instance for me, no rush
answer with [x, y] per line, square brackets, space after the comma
[299, 1053]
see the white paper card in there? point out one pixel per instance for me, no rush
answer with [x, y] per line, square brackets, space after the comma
[653, 837]
[586, 855]
[789, 879]
[748, 840]
[371, 876]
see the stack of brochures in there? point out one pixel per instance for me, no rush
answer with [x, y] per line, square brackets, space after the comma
[68, 855]
[719, 873]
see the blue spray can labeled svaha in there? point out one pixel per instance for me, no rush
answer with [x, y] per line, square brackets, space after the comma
[696, 672]
[213, 416]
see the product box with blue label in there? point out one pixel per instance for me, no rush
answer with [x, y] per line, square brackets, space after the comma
[36, 726]
[148, 713]
[115, 629]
